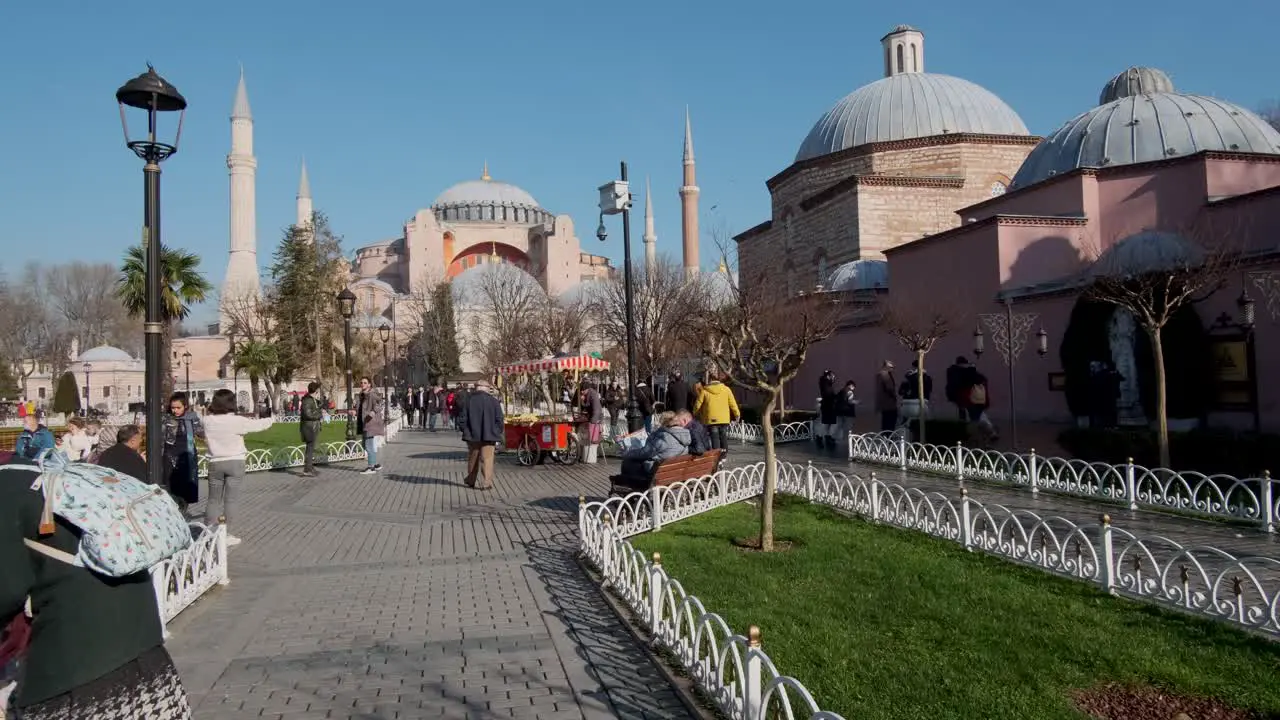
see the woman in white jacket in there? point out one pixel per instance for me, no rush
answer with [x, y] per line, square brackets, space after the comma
[224, 433]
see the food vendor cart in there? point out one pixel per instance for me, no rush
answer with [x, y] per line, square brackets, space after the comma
[533, 436]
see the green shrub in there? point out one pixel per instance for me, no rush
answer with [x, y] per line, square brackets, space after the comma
[1208, 451]
[66, 399]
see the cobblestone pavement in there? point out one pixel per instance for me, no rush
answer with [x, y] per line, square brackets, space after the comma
[408, 595]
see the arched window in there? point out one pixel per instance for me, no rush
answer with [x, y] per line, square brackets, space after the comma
[901, 64]
[915, 59]
[822, 271]
[888, 62]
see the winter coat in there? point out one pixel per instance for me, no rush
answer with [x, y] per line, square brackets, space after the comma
[663, 443]
[369, 422]
[30, 443]
[827, 409]
[644, 399]
[310, 417]
[846, 403]
[481, 418]
[910, 389]
[699, 438]
[435, 401]
[592, 407]
[886, 391]
[716, 405]
[678, 395]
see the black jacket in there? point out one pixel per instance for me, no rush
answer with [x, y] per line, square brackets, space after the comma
[909, 389]
[678, 395]
[481, 418]
[125, 460]
[310, 416]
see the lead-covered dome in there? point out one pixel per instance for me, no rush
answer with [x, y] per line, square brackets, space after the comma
[1136, 80]
[488, 200]
[104, 354]
[910, 105]
[859, 275]
[1146, 127]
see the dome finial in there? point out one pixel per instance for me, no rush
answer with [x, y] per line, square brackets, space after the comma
[724, 267]
[485, 176]
[493, 251]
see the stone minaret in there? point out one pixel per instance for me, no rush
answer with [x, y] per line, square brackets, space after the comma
[689, 204]
[650, 238]
[242, 265]
[304, 199]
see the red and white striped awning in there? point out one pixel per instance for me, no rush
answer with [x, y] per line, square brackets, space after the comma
[580, 362]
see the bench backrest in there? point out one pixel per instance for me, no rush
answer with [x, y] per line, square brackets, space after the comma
[686, 467]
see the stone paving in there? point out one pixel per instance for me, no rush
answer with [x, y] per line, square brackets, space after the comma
[408, 595]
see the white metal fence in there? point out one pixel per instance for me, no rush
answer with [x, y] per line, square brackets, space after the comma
[733, 669]
[1223, 496]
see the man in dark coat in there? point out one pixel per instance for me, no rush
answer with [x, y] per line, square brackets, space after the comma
[678, 393]
[481, 420]
[310, 417]
[124, 457]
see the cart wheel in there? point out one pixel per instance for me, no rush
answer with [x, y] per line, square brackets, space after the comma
[527, 452]
[572, 451]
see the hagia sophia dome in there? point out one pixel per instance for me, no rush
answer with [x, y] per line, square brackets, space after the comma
[488, 200]
[1142, 118]
[909, 103]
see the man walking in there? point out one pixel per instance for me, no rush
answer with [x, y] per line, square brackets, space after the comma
[310, 418]
[434, 404]
[887, 397]
[480, 416]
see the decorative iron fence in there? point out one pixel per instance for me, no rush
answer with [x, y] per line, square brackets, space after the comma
[782, 433]
[1224, 496]
[292, 456]
[180, 580]
[733, 669]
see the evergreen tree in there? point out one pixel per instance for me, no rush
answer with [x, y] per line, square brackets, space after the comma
[9, 389]
[308, 270]
[438, 341]
[66, 399]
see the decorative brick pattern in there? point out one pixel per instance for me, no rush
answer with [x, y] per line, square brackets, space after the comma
[407, 595]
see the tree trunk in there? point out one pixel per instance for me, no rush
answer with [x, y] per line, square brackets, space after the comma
[920, 393]
[253, 391]
[1162, 397]
[770, 474]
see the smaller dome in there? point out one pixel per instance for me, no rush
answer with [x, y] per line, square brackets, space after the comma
[1145, 252]
[104, 353]
[859, 275]
[1135, 81]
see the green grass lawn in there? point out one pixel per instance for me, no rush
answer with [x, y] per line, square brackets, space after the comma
[287, 434]
[885, 623]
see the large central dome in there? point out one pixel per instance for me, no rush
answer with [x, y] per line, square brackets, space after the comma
[488, 200]
[910, 105]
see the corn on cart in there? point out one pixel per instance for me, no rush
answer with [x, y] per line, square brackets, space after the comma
[534, 436]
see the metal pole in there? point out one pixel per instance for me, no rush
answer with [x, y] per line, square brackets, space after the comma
[346, 349]
[1012, 359]
[634, 419]
[188, 364]
[153, 325]
[88, 396]
[386, 404]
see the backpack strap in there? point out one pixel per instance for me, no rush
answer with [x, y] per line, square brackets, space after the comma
[50, 552]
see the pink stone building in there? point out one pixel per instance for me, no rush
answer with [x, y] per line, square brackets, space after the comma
[1147, 175]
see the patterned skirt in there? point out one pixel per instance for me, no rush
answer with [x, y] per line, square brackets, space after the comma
[147, 688]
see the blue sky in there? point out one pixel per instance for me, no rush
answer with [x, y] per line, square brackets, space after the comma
[391, 102]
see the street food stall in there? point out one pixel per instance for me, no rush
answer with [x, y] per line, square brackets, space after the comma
[534, 435]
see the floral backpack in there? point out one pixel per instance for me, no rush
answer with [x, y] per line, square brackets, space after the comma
[126, 525]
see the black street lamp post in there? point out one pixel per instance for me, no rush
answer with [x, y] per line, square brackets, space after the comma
[385, 332]
[186, 362]
[615, 198]
[154, 95]
[347, 308]
[88, 395]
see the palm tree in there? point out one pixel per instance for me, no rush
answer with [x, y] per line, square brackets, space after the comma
[260, 360]
[181, 286]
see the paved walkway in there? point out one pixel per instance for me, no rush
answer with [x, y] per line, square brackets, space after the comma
[407, 595]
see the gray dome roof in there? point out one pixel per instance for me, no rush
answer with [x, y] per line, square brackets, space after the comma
[487, 200]
[910, 105]
[1135, 81]
[1147, 251]
[1144, 128]
[104, 353]
[859, 275]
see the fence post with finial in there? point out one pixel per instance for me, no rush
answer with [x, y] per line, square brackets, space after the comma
[657, 581]
[875, 498]
[1108, 557]
[1131, 484]
[1033, 471]
[809, 481]
[753, 684]
[1268, 503]
[959, 460]
[966, 520]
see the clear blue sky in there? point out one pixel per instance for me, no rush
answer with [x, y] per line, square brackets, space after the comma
[392, 102]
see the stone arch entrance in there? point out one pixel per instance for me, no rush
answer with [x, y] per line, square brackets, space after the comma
[485, 253]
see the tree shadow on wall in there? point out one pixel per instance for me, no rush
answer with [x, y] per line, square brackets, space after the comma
[1048, 261]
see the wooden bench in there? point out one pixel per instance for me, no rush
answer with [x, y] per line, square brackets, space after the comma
[670, 472]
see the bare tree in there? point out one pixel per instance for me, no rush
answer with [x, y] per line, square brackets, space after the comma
[1152, 275]
[501, 313]
[759, 339]
[918, 321]
[84, 294]
[664, 307]
[251, 323]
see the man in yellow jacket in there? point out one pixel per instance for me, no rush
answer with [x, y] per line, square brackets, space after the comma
[716, 407]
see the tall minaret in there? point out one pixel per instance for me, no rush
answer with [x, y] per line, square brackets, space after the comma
[650, 238]
[689, 204]
[242, 265]
[304, 199]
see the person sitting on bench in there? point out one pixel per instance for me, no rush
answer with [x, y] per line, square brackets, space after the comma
[699, 436]
[670, 440]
